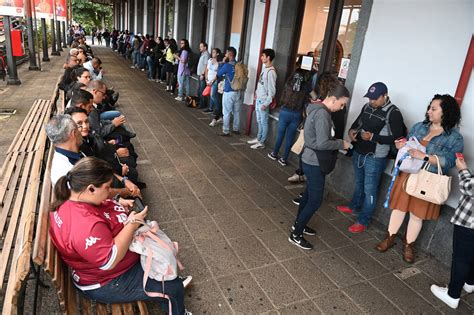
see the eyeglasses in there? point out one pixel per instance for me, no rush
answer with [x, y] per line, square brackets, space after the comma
[86, 77]
[103, 93]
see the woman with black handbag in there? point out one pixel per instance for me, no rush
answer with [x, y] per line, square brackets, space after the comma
[318, 159]
[441, 137]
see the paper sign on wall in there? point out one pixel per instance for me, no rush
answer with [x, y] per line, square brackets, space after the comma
[344, 68]
[307, 63]
[11, 7]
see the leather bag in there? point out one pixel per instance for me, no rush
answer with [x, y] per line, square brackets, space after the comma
[297, 147]
[431, 187]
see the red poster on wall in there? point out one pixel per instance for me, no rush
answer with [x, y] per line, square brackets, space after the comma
[61, 10]
[44, 8]
[12, 7]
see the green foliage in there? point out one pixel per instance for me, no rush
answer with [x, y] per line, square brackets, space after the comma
[92, 15]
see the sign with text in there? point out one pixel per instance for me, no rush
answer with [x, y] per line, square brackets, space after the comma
[345, 62]
[44, 9]
[12, 7]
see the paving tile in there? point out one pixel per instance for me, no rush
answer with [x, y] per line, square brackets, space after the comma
[337, 302]
[177, 188]
[162, 211]
[252, 252]
[201, 187]
[202, 228]
[337, 269]
[342, 226]
[309, 276]
[305, 307]
[194, 265]
[370, 300]
[258, 221]
[402, 296]
[177, 233]
[205, 298]
[438, 272]
[231, 225]
[391, 259]
[215, 204]
[189, 207]
[277, 243]
[243, 294]
[240, 202]
[363, 263]
[282, 218]
[329, 234]
[220, 257]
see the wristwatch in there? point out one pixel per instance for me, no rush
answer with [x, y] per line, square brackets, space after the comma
[124, 179]
[426, 158]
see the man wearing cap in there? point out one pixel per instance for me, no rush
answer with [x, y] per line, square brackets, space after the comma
[376, 128]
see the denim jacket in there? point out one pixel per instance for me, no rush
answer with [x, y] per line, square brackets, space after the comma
[444, 146]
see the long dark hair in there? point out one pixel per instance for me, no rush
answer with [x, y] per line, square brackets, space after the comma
[451, 111]
[88, 171]
[295, 93]
[173, 45]
[186, 45]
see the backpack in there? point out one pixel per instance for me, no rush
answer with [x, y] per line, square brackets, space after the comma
[192, 62]
[241, 77]
[392, 154]
[157, 256]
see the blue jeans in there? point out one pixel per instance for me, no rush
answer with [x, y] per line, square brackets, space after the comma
[312, 196]
[110, 115]
[202, 99]
[136, 58]
[183, 81]
[215, 102]
[262, 122]
[150, 60]
[129, 287]
[368, 172]
[231, 105]
[462, 266]
[287, 124]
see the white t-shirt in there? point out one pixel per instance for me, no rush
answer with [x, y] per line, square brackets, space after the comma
[212, 70]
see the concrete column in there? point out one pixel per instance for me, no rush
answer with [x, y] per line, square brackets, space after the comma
[195, 28]
[63, 23]
[134, 14]
[145, 16]
[11, 61]
[54, 50]
[32, 46]
[220, 12]
[181, 19]
[45, 40]
[58, 34]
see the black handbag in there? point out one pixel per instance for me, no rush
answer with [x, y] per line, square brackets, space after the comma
[327, 159]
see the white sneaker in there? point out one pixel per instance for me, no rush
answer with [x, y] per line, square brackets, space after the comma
[186, 312]
[186, 280]
[213, 123]
[468, 288]
[295, 178]
[442, 294]
[178, 98]
[220, 121]
[253, 141]
[257, 145]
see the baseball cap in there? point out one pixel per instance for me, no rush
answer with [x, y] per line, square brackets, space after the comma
[375, 90]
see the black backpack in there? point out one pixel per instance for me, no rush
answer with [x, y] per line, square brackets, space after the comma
[392, 154]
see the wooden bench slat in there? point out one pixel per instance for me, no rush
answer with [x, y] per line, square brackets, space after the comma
[142, 307]
[117, 309]
[29, 127]
[8, 241]
[127, 308]
[7, 179]
[72, 306]
[101, 309]
[39, 248]
[39, 133]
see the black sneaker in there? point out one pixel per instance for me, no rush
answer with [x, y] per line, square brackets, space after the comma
[300, 242]
[282, 162]
[296, 201]
[306, 230]
[272, 156]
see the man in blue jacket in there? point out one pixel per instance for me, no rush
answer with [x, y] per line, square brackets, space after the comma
[231, 99]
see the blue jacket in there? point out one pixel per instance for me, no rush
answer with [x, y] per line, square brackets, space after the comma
[444, 146]
[227, 69]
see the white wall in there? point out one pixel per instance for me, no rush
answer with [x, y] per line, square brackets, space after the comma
[418, 49]
[255, 39]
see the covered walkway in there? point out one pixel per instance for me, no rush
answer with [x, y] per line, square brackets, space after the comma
[230, 209]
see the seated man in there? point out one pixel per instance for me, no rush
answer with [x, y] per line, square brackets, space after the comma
[99, 91]
[71, 64]
[63, 132]
[95, 68]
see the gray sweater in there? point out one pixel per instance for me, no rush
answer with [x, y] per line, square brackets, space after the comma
[266, 87]
[317, 133]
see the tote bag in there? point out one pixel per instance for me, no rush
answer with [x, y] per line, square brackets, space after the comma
[299, 144]
[431, 187]
[410, 165]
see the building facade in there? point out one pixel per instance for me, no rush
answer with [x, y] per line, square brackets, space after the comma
[418, 48]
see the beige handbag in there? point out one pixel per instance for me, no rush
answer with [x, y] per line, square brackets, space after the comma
[299, 144]
[429, 186]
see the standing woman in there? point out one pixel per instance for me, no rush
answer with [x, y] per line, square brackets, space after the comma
[441, 137]
[211, 79]
[92, 235]
[183, 69]
[317, 137]
[171, 49]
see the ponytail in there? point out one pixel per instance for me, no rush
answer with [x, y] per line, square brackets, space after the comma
[61, 193]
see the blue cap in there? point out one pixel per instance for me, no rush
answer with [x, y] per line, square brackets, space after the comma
[376, 90]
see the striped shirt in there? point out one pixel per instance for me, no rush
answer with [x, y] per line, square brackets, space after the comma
[464, 214]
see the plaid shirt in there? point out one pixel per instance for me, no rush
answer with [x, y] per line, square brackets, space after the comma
[464, 214]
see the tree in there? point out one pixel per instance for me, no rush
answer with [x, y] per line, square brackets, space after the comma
[92, 15]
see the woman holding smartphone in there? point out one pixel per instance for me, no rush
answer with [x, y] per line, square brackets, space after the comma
[92, 235]
[441, 137]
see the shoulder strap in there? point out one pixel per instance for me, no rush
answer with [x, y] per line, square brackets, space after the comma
[387, 117]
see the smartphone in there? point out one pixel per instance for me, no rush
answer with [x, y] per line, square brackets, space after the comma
[403, 139]
[460, 156]
[138, 205]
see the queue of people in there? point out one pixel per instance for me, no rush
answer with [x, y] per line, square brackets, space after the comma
[309, 101]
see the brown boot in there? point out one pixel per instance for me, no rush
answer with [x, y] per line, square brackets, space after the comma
[408, 252]
[387, 243]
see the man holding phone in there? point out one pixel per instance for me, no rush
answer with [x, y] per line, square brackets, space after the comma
[373, 132]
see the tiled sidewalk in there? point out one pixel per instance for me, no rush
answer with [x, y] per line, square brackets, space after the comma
[229, 207]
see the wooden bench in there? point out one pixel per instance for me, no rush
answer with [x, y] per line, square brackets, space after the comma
[20, 183]
[46, 256]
